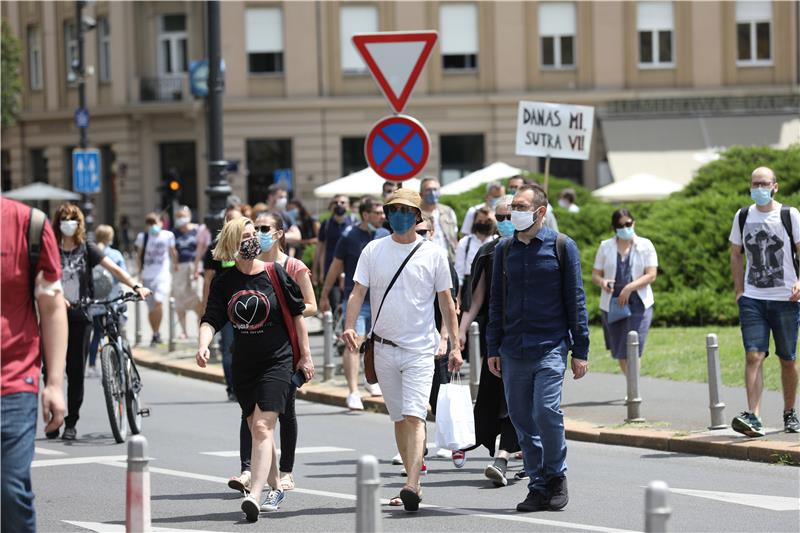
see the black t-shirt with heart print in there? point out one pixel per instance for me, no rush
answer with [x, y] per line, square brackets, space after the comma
[249, 303]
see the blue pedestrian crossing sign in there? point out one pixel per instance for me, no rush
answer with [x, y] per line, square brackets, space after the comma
[86, 170]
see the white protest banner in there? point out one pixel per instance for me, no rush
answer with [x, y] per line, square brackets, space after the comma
[554, 130]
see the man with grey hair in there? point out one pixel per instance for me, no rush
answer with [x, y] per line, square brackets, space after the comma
[494, 192]
[445, 224]
[767, 234]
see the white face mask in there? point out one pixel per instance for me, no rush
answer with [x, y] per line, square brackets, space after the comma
[281, 203]
[68, 227]
[181, 221]
[563, 204]
[523, 220]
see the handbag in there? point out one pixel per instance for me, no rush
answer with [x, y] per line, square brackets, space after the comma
[288, 319]
[368, 346]
[455, 421]
[617, 313]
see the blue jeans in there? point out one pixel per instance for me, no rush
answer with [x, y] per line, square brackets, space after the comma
[533, 392]
[364, 320]
[758, 317]
[18, 434]
[226, 344]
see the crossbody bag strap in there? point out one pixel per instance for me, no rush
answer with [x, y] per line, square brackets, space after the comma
[391, 284]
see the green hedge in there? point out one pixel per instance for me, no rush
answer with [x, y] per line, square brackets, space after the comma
[689, 230]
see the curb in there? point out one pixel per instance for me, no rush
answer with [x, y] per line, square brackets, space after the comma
[702, 443]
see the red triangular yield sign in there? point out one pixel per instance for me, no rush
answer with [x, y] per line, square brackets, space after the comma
[395, 60]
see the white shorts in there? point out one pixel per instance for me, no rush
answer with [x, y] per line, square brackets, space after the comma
[159, 288]
[405, 379]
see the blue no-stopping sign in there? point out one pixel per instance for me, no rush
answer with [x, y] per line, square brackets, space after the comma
[397, 148]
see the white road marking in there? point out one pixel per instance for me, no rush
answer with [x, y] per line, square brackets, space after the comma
[78, 460]
[352, 497]
[45, 451]
[762, 501]
[307, 449]
[100, 527]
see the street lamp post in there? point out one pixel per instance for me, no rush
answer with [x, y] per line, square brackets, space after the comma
[218, 188]
[80, 73]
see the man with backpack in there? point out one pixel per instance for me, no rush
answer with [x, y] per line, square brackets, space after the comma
[537, 313]
[30, 271]
[768, 293]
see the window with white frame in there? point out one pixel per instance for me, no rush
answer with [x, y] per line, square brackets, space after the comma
[754, 33]
[173, 55]
[104, 48]
[458, 24]
[264, 28]
[557, 34]
[70, 50]
[34, 58]
[655, 23]
[355, 19]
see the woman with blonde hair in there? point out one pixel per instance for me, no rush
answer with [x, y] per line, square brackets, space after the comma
[246, 296]
[78, 257]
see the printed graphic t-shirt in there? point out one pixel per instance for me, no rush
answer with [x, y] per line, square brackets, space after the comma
[249, 303]
[156, 256]
[74, 276]
[769, 274]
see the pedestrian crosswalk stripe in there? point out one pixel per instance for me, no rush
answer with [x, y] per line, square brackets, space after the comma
[297, 451]
[762, 501]
[78, 460]
[116, 528]
[45, 451]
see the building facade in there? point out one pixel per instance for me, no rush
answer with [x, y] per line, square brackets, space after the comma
[298, 96]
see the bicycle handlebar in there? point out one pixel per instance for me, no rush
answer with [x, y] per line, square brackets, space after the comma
[122, 298]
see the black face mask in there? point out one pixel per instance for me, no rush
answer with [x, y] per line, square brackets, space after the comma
[339, 210]
[482, 228]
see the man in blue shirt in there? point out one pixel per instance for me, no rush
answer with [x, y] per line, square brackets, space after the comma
[345, 259]
[329, 232]
[537, 312]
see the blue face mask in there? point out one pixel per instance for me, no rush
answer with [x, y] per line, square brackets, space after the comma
[155, 229]
[293, 213]
[402, 222]
[432, 197]
[625, 234]
[505, 228]
[371, 228]
[761, 196]
[266, 241]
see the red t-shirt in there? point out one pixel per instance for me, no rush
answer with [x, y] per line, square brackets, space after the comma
[20, 357]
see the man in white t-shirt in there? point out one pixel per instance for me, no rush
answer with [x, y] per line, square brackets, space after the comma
[156, 248]
[403, 328]
[767, 234]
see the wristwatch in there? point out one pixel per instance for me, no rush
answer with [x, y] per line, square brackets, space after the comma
[136, 287]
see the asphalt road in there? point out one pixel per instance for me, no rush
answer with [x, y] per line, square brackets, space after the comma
[193, 439]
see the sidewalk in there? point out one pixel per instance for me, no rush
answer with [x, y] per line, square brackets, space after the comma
[676, 413]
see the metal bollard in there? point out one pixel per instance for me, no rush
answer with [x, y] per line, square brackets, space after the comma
[474, 359]
[137, 490]
[634, 401]
[327, 330]
[171, 324]
[656, 510]
[137, 323]
[716, 406]
[368, 481]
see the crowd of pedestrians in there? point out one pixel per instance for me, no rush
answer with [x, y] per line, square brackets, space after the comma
[406, 284]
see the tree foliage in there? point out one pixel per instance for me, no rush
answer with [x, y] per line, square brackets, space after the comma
[10, 77]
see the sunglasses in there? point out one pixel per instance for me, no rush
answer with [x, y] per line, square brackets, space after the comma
[264, 229]
[423, 232]
[501, 218]
[628, 224]
[400, 208]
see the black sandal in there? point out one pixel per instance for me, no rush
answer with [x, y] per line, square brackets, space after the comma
[411, 499]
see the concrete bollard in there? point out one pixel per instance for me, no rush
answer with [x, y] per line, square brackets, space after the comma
[716, 406]
[137, 490]
[137, 323]
[656, 509]
[171, 324]
[368, 481]
[474, 359]
[634, 401]
[327, 331]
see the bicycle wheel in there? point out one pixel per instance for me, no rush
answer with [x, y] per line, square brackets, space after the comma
[132, 401]
[114, 391]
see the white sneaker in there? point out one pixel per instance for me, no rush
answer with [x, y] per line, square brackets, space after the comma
[374, 390]
[354, 402]
[443, 453]
[397, 460]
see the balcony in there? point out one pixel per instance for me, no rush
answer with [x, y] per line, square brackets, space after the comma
[161, 89]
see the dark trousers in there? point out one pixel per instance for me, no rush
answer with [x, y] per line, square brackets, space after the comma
[288, 433]
[76, 363]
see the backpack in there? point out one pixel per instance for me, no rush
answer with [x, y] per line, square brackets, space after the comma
[786, 220]
[36, 222]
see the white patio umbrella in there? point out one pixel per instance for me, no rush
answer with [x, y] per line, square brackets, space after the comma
[495, 171]
[39, 191]
[361, 183]
[637, 188]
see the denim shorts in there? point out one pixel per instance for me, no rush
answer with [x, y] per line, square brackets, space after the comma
[758, 317]
[364, 320]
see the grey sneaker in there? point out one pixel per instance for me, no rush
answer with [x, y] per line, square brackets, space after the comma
[273, 500]
[250, 508]
[748, 424]
[790, 422]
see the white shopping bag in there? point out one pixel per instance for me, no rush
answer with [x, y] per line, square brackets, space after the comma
[455, 423]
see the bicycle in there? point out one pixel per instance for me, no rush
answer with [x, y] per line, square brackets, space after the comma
[120, 377]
